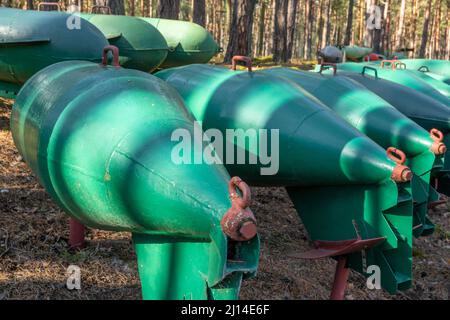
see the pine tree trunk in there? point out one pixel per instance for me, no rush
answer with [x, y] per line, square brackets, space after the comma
[117, 6]
[447, 38]
[305, 28]
[399, 44]
[413, 26]
[168, 9]
[199, 12]
[268, 35]
[291, 24]
[426, 23]
[368, 34]
[320, 25]
[132, 8]
[362, 25]
[327, 24]
[437, 31]
[310, 29]
[240, 36]
[280, 31]
[348, 31]
[429, 49]
[261, 28]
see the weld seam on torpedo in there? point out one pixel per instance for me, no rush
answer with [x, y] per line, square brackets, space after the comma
[303, 121]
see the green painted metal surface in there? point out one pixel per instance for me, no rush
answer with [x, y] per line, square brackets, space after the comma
[188, 42]
[32, 40]
[403, 77]
[141, 45]
[425, 111]
[99, 140]
[444, 79]
[378, 120]
[336, 177]
[437, 84]
[441, 67]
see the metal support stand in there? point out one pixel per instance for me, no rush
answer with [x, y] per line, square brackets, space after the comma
[76, 234]
[340, 279]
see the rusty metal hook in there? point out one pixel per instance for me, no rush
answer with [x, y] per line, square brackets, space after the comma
[234, 183]
[239, 223]
[401, 173]
[438, 147]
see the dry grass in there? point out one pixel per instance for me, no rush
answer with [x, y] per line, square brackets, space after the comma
[34, 255]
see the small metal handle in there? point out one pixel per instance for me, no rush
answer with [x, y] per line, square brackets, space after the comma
[243, 201]
[369, 68]
[50, 4]
[424, 69]
[327, 65]
[115, 53]
[396, 155]
[101, 7]
[246, 60]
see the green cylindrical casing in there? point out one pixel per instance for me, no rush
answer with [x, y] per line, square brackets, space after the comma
[140, 44]
[424, 110]
[316, 147]
[437, 84]
[441, 67]
[400, 76]
[377, 119]
[188, 42]
[363, 109]
[99, 140]
[32, 40]
[337, 178]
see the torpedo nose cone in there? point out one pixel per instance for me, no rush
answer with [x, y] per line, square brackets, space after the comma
[401, 173]
[438, 148]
